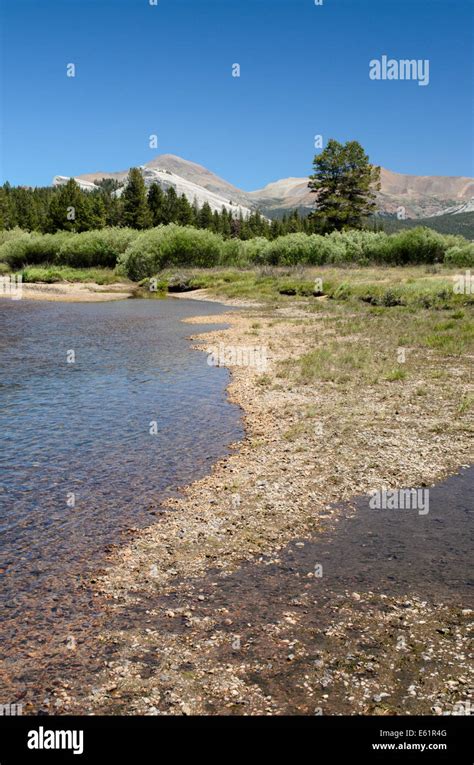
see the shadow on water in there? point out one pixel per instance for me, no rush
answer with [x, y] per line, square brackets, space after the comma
[390, 552]
[400, 551]
[365, 553]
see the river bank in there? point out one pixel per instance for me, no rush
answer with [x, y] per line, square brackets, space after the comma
[75, 292]
[106, 409]
[204, 612]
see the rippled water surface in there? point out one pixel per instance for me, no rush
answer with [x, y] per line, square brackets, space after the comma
[79, 434]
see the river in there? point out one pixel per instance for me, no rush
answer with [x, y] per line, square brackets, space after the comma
[105, 410]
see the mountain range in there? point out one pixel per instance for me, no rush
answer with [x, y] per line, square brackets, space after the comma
[419, 196]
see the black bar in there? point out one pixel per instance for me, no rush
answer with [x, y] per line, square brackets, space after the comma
[122, 739]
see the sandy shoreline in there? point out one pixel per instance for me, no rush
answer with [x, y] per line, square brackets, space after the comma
[75, 292]
[176, 640]
[90, 292]
[216, 608]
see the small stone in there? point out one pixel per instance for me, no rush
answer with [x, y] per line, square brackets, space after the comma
[380, 696]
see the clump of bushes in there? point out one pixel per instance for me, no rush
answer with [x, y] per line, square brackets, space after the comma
[141, 254]
[251, 250]
[7, 234]
[166, 246]
[418, 245]
[287, 250]
[300, 287]
[461, 255]
[53, 274]
[31, 249]
[100, 248]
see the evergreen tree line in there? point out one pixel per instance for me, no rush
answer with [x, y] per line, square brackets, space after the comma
[70, 208]
[344, 183]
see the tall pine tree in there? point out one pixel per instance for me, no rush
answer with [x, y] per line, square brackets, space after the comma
[185, 213]
[205, 219]
[135, 212]
[344, 181]
[156, 201]
[69, 209]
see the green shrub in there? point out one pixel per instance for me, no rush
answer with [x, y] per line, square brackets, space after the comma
[360, 247]
[171, 245]
[390, 298]
[241, 253]
[52, 274]
[232, 253]
[460, 255]
[251, 250]
[6, 235]
[49, 275]
[342, 292]
[325, 249]
[91, 248]
[100, 248]
[29, 249]
[416, 245]
[139, 254]
[286, 250]
[300, 287]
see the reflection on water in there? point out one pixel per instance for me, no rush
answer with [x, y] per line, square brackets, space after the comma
[78, 463]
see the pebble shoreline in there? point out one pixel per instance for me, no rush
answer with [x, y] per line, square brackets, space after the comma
[202, 614]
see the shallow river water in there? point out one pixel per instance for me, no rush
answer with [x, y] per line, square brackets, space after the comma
[104, 410]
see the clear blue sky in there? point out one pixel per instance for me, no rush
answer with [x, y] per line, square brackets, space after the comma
[142, 69]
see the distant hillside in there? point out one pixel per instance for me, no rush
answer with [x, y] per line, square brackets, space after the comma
[420, 196]
[462, 223]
